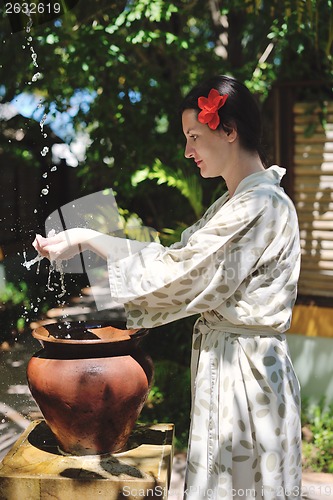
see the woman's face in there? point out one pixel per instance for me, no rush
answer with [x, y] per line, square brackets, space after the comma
[208, 148]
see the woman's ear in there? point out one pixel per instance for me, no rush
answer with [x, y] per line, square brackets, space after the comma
[231, 135]
[229, 132]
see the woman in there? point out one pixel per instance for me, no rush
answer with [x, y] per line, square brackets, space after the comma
[238, 268]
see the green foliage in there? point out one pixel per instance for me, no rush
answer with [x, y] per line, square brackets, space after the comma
[15, 295]
[126, 223]
[169, 399]
[14, 306]
[170, 396]
[169, 236]
[317, 454]
[188, 185]
[134, 229]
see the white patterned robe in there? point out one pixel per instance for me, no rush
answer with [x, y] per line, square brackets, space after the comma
[238, 268]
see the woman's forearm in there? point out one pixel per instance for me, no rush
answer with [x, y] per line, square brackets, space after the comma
[111, 247]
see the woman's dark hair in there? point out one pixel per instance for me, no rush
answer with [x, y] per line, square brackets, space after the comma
[240, 110]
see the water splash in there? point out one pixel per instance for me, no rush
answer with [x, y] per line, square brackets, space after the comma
[33, 53]
[44, 151]
[57, 265]
[29, 25]
[39, 257]
[41, 123]
[36, 76]
[34, 56]
[28, 264]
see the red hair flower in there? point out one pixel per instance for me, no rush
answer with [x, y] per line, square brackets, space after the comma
[210, 106]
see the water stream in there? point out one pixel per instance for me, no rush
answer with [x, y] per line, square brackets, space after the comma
[57, 265]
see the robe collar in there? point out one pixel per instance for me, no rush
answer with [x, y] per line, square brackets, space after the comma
[271, 175]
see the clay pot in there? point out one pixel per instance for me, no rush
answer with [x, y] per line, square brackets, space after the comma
[90, 382]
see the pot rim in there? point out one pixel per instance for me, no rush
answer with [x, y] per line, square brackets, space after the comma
[105, 332]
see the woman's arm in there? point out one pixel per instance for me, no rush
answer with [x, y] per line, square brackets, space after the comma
[67, 244]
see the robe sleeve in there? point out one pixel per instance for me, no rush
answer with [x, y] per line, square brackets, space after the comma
[160, 284]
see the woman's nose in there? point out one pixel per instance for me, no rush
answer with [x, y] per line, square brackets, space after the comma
[189, 151]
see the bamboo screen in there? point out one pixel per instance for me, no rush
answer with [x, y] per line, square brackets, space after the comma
[313, 181]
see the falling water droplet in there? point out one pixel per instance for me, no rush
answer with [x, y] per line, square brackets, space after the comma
[45, 175]
[36, 77]
[34, 57]
[44, 151]
[41, 123]
[53, 169]
[45, 191]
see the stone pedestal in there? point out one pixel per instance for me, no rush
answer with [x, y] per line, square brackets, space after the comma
[36, 469]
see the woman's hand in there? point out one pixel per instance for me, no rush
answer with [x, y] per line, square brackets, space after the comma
[64, 245]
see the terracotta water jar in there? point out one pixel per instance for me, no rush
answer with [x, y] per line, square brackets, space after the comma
[90, 381]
